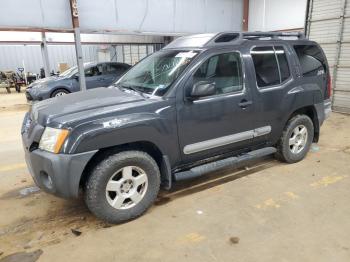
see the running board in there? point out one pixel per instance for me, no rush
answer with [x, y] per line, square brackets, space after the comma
[231, 162]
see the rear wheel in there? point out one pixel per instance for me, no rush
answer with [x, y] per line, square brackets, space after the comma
[122, 186]
[59, 92]
[296, 139]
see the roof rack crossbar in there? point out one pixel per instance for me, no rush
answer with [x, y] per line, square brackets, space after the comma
[273, 35]
[230, 37]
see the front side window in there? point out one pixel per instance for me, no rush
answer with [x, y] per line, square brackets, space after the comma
[225, 70]
[155, 74]
[271, 65]
[312, 60]
[93, 71]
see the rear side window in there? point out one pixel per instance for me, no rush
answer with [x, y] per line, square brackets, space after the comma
[115, 69]
[311, 59]
[282, 62]
[271, 65]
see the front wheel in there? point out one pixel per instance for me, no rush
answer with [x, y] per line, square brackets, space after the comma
[122, 186]
[296, 139]
[59, 92]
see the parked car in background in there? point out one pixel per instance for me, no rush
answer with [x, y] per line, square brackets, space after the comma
[96, 75]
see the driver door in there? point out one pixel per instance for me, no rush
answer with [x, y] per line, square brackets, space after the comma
[94, 77]
[218, 123]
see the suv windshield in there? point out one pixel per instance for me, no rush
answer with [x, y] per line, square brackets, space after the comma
[156, 73]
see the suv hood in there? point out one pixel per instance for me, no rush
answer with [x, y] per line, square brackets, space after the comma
[81, 105]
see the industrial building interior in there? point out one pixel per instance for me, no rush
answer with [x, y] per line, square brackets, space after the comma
[263, 210]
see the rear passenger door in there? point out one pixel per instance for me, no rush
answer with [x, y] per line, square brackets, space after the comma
[273, 80]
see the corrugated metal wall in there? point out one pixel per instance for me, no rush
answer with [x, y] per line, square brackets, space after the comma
[12, 56]
[329, 25]
[158, 16]
[270, 15]
[131, 54]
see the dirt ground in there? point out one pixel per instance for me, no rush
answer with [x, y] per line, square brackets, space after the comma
[269, 211]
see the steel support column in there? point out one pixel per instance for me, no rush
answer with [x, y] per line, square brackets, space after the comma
[80, 62]
[245, 15]
[339, 45]
[45, 54]
[77, 42]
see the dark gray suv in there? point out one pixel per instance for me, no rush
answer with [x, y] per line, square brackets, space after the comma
[96, 75]
[203, 103]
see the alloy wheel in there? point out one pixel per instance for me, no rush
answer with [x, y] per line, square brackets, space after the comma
[126, 187]
[298, 139]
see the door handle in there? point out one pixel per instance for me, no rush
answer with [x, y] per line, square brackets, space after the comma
[245, 103]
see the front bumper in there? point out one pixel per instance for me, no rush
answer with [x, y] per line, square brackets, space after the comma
[57, 174]
[37, 94]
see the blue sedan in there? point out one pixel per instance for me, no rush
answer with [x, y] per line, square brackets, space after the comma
[96, 75]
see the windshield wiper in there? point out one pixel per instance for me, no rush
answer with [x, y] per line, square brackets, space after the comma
[132, 88]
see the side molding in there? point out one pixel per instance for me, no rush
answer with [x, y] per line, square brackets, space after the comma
[226, 140]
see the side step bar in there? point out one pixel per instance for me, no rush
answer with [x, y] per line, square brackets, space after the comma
[231, 162]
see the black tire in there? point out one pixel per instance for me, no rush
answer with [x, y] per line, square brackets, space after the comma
[95, 188]
[58, 91]
[284, 151]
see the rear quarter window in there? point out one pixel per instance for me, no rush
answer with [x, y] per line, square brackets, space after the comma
[311, 59]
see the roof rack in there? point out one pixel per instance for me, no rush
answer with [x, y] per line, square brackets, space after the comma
[228, 38]
[272, 35]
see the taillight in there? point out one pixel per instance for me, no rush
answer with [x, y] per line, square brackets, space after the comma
[329, 86]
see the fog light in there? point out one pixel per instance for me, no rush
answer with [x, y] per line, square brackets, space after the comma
[46, 180]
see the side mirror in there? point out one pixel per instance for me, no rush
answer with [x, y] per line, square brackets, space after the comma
[202, 89]
[76, 77]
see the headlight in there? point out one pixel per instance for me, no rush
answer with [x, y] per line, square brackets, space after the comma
[38, 86]
[53, 139]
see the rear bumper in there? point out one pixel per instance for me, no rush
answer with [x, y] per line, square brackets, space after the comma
[57, 174]
[323, 110]
[327, 105]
